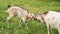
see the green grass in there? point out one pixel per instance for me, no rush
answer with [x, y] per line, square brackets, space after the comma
[33, 6]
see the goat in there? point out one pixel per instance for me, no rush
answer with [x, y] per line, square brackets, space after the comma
[52, 19]
[19, 12]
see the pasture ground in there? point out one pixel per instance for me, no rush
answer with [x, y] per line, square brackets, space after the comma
[33, 6]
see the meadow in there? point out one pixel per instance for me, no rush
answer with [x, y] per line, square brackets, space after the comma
[32, 6]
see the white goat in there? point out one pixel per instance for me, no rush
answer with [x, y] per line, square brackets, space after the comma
[52, 18]
[19, 12]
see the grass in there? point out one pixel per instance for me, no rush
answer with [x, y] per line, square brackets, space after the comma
[33, 6]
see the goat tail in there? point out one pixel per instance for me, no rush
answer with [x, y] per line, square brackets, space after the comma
[9, 6]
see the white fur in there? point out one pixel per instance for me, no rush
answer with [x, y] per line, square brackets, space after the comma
[17, 11]
[53, 19]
